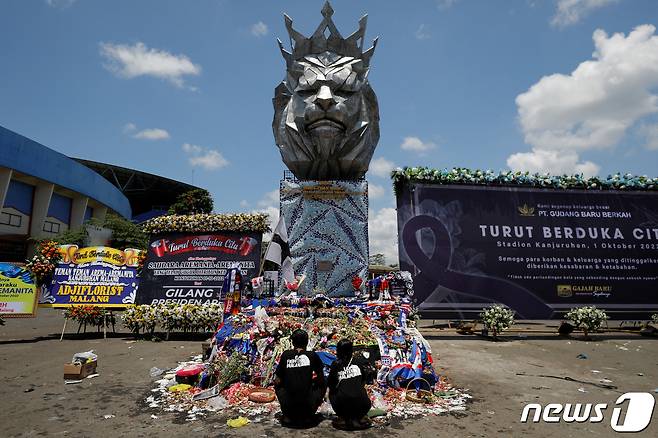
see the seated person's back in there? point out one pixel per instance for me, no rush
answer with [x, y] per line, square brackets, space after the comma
[299, 381]
[347, 391]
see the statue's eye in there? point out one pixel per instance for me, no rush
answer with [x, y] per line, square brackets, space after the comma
[306, 93]
[344, 93]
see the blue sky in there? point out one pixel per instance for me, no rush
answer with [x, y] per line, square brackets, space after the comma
[183, 89]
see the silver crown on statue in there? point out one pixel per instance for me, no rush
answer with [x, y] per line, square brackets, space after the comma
[327, 38]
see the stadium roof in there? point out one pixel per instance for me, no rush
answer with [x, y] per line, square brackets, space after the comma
[145, 191]
[36, 160]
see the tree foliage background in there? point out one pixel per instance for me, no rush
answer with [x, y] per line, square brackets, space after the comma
[125, 234]
[192, 202]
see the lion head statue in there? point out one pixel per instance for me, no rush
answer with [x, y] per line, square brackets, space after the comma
[326, 116]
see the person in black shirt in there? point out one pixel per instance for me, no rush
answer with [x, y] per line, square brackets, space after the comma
[299, 382]
[347, 392]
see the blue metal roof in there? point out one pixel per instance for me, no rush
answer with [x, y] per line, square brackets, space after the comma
[31, 158]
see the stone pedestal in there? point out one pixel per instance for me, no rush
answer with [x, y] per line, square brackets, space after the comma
[327, 232]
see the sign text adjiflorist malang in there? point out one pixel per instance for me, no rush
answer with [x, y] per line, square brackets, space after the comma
[538, 251]
[93, 276]
[189, 268]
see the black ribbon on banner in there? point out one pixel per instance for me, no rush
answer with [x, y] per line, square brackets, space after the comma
[434, 271]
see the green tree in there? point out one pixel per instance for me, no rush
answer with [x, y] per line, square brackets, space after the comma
[74, 236]
[192, 202]
[125, 234]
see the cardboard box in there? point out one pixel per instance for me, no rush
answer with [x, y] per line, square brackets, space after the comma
[76, 372]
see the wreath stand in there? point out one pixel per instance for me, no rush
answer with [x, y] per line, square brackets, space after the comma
[66, 320]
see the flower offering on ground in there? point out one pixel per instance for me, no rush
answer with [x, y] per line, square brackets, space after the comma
[589, 318]
[497, 319]
[247, 346]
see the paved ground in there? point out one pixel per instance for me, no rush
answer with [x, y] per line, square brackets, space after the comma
[501, 376]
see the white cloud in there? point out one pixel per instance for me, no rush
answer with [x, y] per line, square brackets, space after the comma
[152, 134]
[273, 216]
[192, 148]
[244, 203]
[269, 199]
[594, 106]
[555, 162]
[570, 12]
[375, 191]
[446, 4]
[210, 160]
[423, 32]
[129, 62]
[269, 204]
[206, 158]
[129, 127]
[650, 133]
[381, 167]
[61, 4]
[383, 233]
[259, 29]
[415, 144]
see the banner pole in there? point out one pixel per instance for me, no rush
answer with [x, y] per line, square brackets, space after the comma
[262, 259]
[63, 329]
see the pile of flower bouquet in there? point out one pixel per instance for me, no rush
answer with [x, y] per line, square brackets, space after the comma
[206, 223]
[248, 346]
[262, 334]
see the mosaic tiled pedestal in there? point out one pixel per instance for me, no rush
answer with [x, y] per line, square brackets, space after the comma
[327, 232]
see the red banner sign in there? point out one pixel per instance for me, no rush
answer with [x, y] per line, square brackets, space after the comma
[228, 245]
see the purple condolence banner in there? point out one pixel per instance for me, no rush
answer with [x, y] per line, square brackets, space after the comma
[538, 251]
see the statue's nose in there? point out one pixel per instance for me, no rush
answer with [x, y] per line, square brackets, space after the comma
[325, 98]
